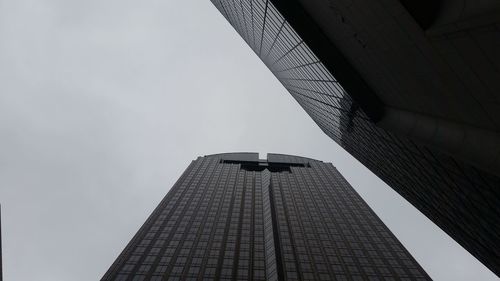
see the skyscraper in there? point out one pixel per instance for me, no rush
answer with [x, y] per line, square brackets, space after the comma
[234, 217]
[413, 95]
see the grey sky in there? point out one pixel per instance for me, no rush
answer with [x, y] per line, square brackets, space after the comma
[104, 103]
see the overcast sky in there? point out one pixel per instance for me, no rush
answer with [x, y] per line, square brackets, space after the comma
[103, 104]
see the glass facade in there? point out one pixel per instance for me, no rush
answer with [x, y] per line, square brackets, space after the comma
[460, 199]
[235, 217]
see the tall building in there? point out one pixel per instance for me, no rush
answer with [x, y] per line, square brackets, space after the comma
[235, 217]
[409, 88]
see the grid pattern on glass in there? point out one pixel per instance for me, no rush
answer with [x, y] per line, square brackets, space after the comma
[334, 233]
[209, 227]
[457, 197]
[222, 222]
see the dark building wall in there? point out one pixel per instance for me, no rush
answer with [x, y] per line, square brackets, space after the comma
[443, 81]
[461, 199]
[230, 218]
[448, 70]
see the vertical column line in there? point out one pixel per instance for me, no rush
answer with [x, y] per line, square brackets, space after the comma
[222, 250]
[240, 225]
[277, 246]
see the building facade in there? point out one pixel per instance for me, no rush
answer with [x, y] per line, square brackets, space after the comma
[235, 217]
[366, 74]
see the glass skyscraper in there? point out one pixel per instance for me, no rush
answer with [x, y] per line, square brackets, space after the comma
[234, 216]
[460, 198]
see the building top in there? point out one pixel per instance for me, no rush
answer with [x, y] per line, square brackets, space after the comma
[271, 158]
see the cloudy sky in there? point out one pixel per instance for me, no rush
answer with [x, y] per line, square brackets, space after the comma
[103, 104]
